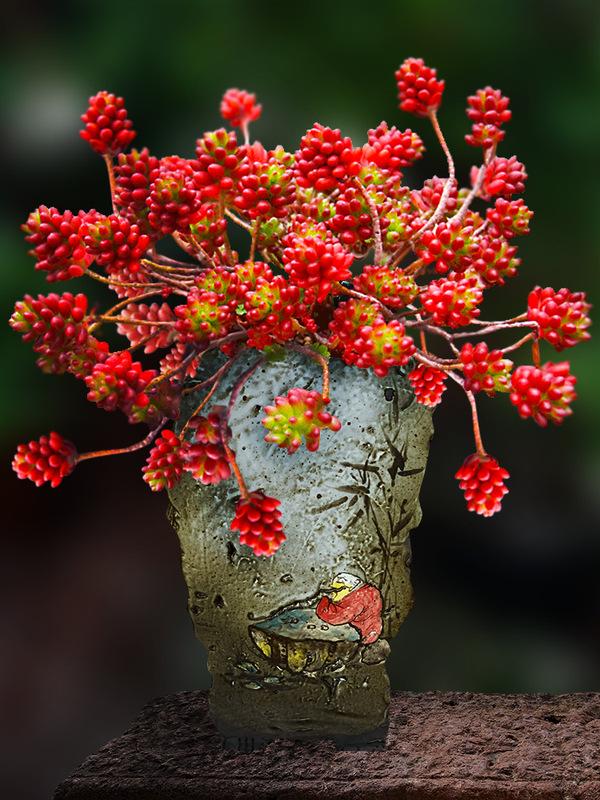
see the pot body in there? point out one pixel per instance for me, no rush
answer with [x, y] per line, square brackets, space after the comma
[297, 642]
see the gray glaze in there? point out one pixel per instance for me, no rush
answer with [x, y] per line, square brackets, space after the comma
[348, 508]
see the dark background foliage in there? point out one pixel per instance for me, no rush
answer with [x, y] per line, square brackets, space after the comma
[94, 618]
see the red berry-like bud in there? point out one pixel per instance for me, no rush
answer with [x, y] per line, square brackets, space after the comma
[208, 227]
[239, 107]
[562, 315]
[165, 465]
[57, 244]
[203, 317]
[348, 318]
[488, 110]
[453, 302]
[509, 218]
[503, 176]
[249, 275]
[419, 90]
[174, 358]
[382, 345]
[154, 337]
[271, 308]
[394, 287]
[315, 260]
[115, 244]
[267, 189]
[485, 370]
[428, 197]
[326, 159]
[428, 384]
[121, 383]
[107, 128]
[482, 479]
[258, 519]
[496, 260]
[47, 460]
[299, 415]
[218, 165]
[391, 149]
[543, 393]
[135, 172]
[449, 245]
[173, 199]
[205, 457]
[352, 222]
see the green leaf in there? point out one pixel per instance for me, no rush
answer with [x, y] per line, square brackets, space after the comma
[321, 349]
[274, 352]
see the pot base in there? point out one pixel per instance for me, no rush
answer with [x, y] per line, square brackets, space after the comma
[244, 742]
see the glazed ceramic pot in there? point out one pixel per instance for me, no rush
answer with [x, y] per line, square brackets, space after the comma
[297, 642]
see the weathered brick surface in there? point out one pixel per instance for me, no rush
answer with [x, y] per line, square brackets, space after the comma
[442, 746]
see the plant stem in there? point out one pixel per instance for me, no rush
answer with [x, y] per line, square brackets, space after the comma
[126, 285]
[255, 228]
[205, 399]
[520, 343]
[319, 359]
[120, 450]
[476, 429]
[110, 168]
[535, 353]
[341, 289]
[131, 321]
[240, 382]
[441, 206]
[238, 221]
[378, 244]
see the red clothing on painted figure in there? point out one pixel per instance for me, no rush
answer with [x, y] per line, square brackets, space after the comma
[360, 608]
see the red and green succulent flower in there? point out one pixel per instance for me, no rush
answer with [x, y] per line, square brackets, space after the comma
[348, 258]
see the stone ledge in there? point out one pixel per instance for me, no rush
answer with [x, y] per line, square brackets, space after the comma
[441, 746]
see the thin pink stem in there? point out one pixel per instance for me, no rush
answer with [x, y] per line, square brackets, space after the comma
[377, 240]
[441, 206]
[121, 450]
[110, 168]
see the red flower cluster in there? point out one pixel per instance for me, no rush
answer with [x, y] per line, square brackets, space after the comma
[258, 520]
[543, 393]
[453, 302]
[57, 244]
[205, 457]
[391, 149]
[299, 415]
[485, 370]
[135, 173]
[115, 244]
[482, 479]
[47, 460]
[308, 218]
[107, 127]
[239, 107]
[314, 260]
[562, 316]
[419, 90]
[503, 176]
[449, 246]
[429, 384]
[326, 159]
[121, 383]
[488, 110]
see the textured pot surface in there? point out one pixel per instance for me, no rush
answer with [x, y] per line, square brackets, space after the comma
[282, 663]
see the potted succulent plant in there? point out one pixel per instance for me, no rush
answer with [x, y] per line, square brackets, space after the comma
[288, 393]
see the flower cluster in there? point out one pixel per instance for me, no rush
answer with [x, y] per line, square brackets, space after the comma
[347, 258]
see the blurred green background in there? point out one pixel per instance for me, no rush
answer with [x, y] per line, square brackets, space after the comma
[94, 618]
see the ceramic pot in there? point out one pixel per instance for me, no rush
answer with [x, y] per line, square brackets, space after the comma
[297, 642]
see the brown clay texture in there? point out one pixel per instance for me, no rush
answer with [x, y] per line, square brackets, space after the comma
[440, 746]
